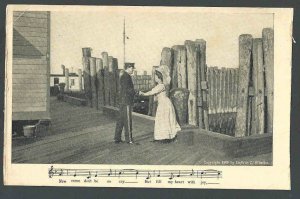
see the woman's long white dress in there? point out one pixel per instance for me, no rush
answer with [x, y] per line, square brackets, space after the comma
[166, 125]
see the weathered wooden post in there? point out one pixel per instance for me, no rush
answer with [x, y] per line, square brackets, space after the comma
[230, 100]
[199, 101]
[227, 100]
[192, 81]
[179, 97]
[210, 95]
[180, 62]
[80, 79]
[235, 89]
[268, 51]
[63, 69]
[167, 59]
[86, 52]
[86, 74]
[245, 47]
[222, 99]
[176, 79]
[219, 99]
[106, 78]
[258, 105]
[152, 101]
[115, 81]
[100, 83]
[93, 82]
[215, 97]
[67, 79]
[202, 84]
[111, 81]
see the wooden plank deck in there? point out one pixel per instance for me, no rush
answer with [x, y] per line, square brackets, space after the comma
[82, 135]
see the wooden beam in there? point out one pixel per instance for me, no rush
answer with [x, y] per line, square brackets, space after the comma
[93, 82]
[87, 80]
[67, 80]
[152, 100]
[112, 81]
[268, 51]
[106, 78]
[80, 79]
[176, 76]
[245, 48]
[100, 83]
[258, 105]
[167, 59]
[192, 81]
[202, 74]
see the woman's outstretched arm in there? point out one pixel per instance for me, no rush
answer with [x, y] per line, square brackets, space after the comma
[157, 89]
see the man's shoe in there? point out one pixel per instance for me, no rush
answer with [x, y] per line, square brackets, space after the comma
[118, 141]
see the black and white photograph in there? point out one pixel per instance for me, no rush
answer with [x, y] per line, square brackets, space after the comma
[191, 90]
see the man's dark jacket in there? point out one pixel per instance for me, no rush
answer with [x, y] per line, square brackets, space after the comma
[127, 92]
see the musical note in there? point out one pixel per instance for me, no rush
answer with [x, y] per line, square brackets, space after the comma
[158, 174]
[136, 174]
[192, 172]
[171, 177]
[61, 172]
[109, 174]
[96, 174]
[149, 175]
[89, 176]
[178, 174]
[75, 174]
[201, 174]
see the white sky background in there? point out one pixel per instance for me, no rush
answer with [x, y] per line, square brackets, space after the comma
[149, 32]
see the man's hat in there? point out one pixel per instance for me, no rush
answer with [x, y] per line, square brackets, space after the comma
[128, 65]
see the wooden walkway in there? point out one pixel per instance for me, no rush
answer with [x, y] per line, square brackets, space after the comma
[82, 135]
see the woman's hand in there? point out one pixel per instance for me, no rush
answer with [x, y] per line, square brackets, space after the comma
[141, 93]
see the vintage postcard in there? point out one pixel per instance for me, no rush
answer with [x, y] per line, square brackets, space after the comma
[166, 97]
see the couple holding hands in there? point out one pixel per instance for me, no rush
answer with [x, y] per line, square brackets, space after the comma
[166, 125]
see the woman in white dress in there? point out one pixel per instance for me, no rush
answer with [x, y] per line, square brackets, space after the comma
[166, 125]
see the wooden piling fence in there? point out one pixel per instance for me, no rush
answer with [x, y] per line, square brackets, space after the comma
[233, 101]
[221, 95]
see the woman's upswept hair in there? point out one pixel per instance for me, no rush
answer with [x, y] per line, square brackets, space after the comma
[159, 75]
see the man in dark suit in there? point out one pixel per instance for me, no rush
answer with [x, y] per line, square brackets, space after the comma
[126, 97]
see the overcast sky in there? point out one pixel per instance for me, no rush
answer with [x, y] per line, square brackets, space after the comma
[148, 33]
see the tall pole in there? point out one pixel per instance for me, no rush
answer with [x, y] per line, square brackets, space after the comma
[124, 35]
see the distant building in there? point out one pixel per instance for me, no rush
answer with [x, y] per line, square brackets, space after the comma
[56, 79]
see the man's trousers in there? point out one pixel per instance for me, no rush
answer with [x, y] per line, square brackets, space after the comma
[124, 120]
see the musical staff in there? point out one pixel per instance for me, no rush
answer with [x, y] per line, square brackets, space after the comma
[147, 174]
